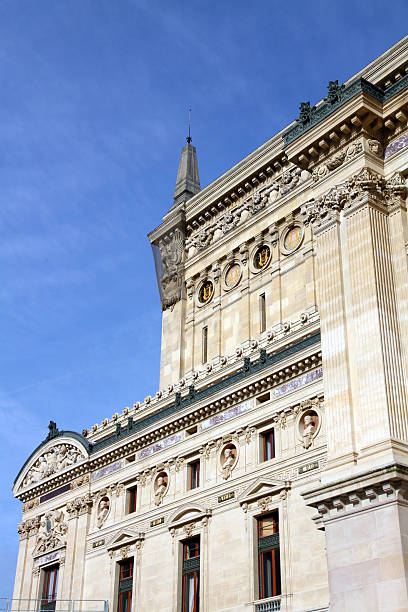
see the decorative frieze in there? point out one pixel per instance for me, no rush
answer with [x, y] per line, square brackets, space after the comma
[158, 446]
[341, 157]
[108, 469]
[224, 222]
[396, 145]
[227, 415]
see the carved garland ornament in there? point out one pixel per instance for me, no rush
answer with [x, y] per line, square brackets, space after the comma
[227, 221]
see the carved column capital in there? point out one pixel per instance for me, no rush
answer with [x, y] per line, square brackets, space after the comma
[325, 211]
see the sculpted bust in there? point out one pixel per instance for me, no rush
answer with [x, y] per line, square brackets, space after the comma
[103, 511]
[228, 461]
[161, 488]
[309, 429]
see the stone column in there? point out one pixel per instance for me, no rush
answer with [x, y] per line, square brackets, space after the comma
[78, 526]
[381, 414]
[214, 336]
[395, 195]
[324, 214]
[28, 531]
[189, 364]
[363, 509]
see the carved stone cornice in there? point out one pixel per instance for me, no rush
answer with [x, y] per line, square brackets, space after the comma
[213, 226]
[362, 492]
[201, 407]
[339, 95]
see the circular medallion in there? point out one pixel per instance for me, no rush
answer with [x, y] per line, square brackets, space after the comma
[262, 257]
[293, 238]
[206, 292]
[232, 276]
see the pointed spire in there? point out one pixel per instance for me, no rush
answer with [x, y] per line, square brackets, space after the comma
[188, 180]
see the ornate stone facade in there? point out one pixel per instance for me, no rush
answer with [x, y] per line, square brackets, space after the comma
[283, 387]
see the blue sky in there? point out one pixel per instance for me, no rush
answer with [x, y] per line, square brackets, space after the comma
[93, 107]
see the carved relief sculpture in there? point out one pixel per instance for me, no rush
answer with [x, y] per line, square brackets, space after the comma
[56, 459]
[52, 531]
[171, 252]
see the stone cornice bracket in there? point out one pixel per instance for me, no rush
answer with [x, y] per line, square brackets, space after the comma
[80, 505]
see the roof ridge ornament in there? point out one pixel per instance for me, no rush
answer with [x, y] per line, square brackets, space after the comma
[307, 113]
[335, 92]
[54, 432]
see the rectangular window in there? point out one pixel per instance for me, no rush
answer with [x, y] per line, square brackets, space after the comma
[132, 497]
[269, 556]
[50, 588]
[126, 569]
[262, 313]
[191, 575]
[125, 585]
[268, 445]
[194, 474]
[205, 344]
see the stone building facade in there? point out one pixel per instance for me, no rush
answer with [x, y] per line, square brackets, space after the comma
[270, 469]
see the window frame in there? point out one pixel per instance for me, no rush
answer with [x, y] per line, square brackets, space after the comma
[51, 570]
[264, 435]
[190, 478]
[131, 495]
[204, 345]
[262, 313]
[191, 569]
[266, 547]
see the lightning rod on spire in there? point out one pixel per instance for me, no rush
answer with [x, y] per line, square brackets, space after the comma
[189, 123]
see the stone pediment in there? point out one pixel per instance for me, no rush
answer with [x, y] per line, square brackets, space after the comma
[124, 537]
[263, 487]
[59, 452]
[187, 514]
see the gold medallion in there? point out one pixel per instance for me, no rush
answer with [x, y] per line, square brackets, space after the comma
[206, 292]
[262, 257]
